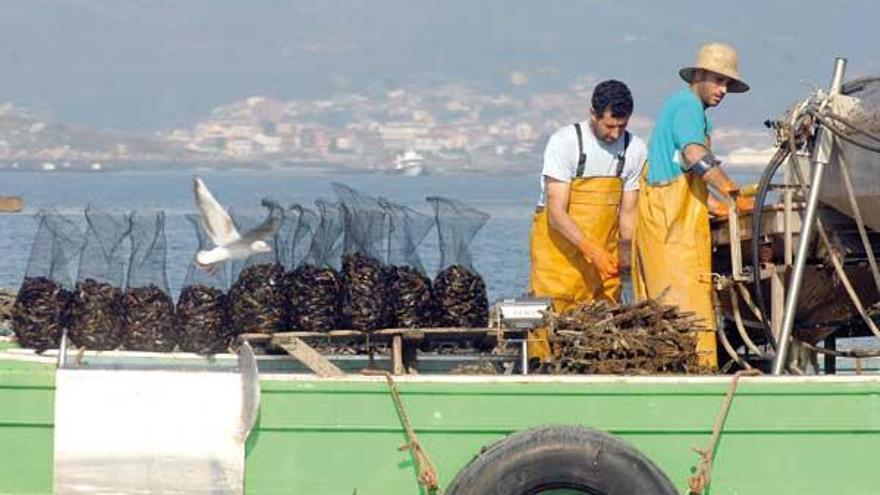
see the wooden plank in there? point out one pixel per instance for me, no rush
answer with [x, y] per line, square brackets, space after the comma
[407, 333]
[397, 355]
[309, 357]
[256, 338]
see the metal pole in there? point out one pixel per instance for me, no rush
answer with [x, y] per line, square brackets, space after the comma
[821, 156]
[62, 350]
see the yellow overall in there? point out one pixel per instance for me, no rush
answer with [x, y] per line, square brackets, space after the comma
[559, 270]
[672, 252]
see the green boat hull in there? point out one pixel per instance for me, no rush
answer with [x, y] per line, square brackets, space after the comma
[314, 436]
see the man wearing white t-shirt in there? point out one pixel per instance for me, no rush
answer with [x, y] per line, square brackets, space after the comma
[585, 217]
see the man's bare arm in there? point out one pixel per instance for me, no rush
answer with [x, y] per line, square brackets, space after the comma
[715, 176]
[627, 215]
[626, 220]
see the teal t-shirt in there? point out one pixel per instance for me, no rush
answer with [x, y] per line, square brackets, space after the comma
[682, 121]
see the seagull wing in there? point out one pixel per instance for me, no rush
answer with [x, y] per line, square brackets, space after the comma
[269, 226]
[214, 219]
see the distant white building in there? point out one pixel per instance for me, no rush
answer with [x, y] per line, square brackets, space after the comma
[270, 144]
[179, 135]
[524, 132]
[343, 143]
[401, 135]
[426, 144]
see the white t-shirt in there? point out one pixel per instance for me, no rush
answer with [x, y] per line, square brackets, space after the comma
[561, 158]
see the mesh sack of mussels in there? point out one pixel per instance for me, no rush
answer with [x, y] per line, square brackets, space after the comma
[364, 284]
[315, 286]
[202, 318]
[643, 338]
[39, 312]
[257, 299]
[292, 246]
[363, 277]
[7, 300]
[150, 323]
[96, 309]
[408, 300]
[96, 315]
[459, 291]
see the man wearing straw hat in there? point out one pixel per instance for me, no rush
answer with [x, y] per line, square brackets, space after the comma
[672, 247]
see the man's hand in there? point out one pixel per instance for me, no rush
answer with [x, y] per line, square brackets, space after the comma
[745, 204]
[605, 262]
[718, 179]
[719, 208]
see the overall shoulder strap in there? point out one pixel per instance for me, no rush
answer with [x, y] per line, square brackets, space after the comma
[621, 157]
[582, 158]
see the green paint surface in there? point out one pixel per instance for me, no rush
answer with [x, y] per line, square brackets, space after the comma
[342, 437]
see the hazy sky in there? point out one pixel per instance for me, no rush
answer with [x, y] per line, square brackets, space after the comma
[165, 63]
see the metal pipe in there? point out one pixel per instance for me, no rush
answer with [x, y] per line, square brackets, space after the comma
[788, 241]
[821, 158]
[821, 155]
[62, 350]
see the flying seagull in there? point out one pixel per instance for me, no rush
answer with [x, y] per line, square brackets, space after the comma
[229, 244]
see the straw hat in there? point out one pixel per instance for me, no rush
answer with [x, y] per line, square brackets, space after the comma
[719, 58]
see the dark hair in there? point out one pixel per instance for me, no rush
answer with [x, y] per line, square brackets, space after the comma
[614, 96]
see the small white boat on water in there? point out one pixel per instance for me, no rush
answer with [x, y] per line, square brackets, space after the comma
[409, 163]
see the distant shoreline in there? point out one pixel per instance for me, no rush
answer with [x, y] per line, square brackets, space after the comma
[308, 168]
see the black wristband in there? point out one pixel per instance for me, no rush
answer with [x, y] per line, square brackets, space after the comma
[704, 164]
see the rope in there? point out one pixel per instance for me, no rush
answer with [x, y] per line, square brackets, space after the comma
[703, 477]
[427, 473]
[826, 118]
[737, 319]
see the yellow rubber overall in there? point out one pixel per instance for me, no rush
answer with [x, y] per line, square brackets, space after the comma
[672, 252]
[558, 268]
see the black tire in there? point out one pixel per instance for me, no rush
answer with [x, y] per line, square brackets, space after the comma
[576, 458]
